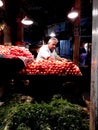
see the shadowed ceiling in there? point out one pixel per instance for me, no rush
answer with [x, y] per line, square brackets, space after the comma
[43, 12]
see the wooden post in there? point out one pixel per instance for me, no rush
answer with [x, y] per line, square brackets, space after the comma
[76, 34]
[7, 34]
[19, 30]
[94, 70]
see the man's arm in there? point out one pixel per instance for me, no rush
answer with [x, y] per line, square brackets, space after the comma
[60, 58]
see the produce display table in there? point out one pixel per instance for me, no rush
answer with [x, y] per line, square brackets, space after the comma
[39, 86]
[49, 78]
[45, 86]
[40, 79]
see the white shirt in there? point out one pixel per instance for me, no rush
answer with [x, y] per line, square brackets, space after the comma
[44, 52]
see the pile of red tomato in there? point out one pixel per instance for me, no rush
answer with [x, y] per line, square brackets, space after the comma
[52, 67]
[42, 67]
[14, 52]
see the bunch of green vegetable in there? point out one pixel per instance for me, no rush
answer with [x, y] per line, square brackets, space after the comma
[58, 114]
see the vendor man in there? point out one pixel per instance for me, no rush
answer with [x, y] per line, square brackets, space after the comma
[48, 51]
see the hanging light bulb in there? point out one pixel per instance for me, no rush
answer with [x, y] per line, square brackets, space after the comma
[26, 21]
[1, 3]
[52, 34]
[73, 14]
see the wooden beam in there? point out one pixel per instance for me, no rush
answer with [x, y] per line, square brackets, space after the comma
[76, 34]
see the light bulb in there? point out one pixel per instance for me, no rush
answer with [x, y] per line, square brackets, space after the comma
[1, 3]
[27, 21]
[52, 34]
[73, 14]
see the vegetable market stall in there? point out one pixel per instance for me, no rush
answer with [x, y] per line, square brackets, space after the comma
[39, 79]
[46, 78]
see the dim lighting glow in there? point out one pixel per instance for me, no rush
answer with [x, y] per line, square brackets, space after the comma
[52, 34]
[1, 3]
[73, 15]
[27, 21]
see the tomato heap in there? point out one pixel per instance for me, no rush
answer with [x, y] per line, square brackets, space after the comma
[50, 67]
[14, 52]
[42, 67]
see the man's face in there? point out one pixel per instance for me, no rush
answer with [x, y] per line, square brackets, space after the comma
[52, 45]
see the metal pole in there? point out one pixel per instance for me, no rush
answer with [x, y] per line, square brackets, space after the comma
[94, 69]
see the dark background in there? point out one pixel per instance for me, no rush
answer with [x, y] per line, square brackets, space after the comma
[44, 12]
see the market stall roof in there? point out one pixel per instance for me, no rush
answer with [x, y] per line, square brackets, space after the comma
[43, 12]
